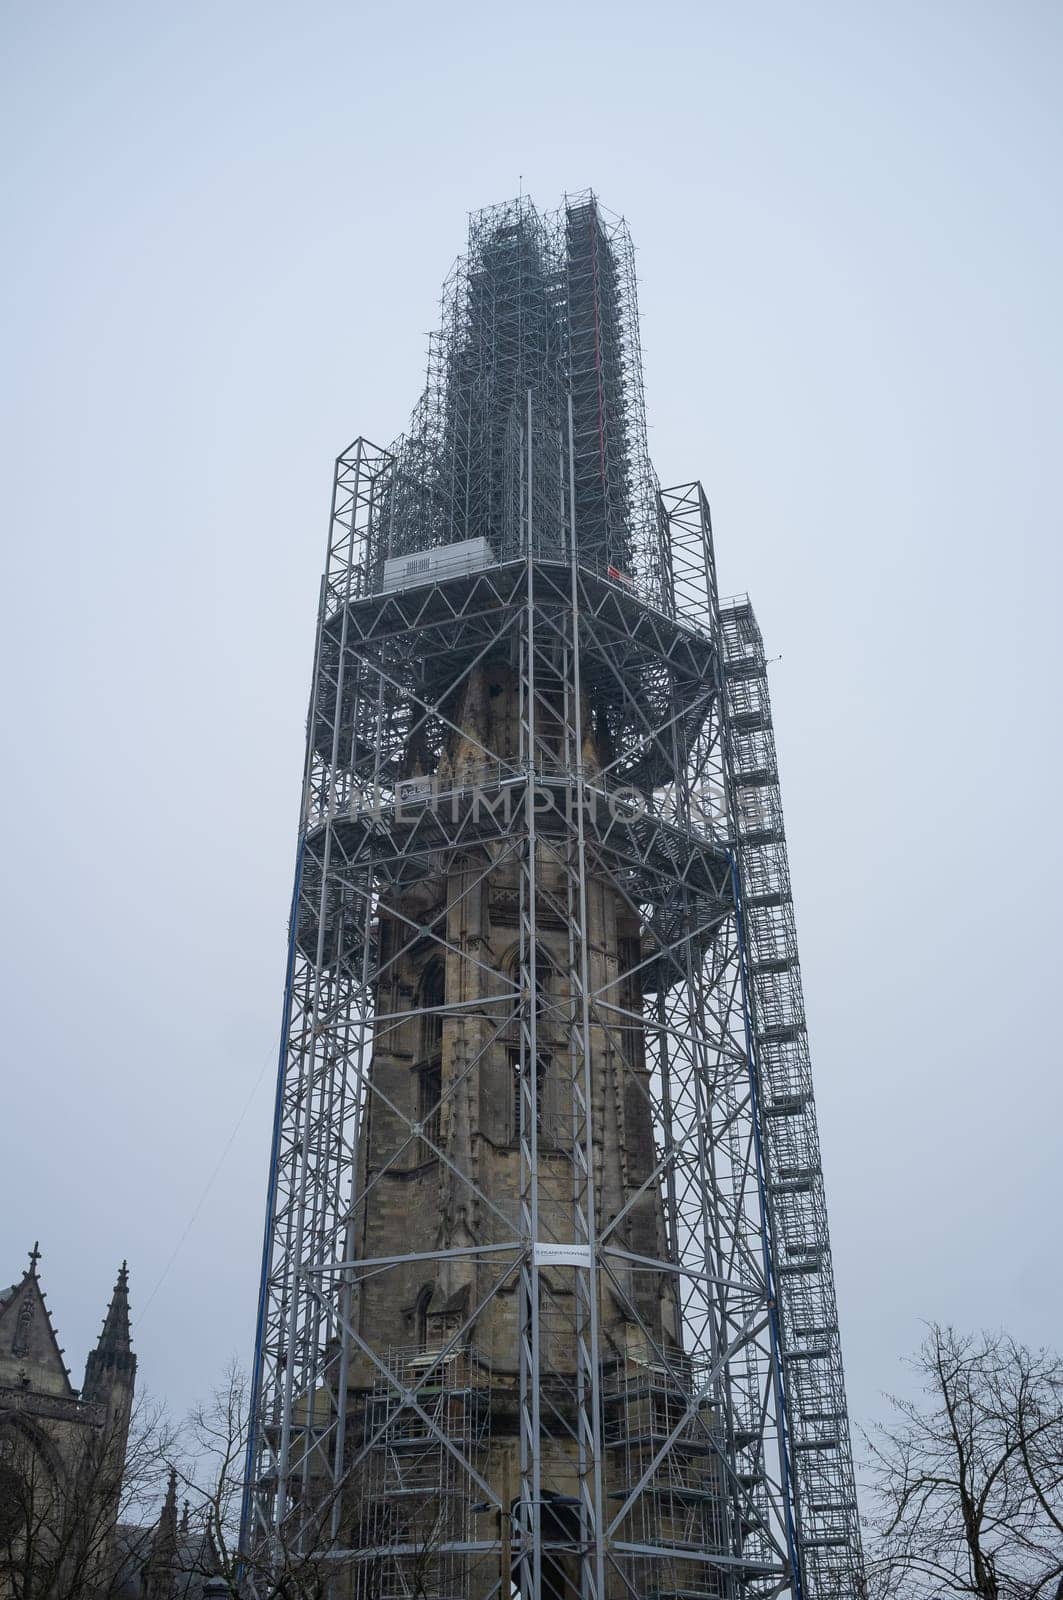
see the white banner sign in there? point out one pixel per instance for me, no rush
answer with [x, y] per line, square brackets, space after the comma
[561, 1255]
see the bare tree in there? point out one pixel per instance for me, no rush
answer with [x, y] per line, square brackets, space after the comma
[211, 1466]
[969, 1481]
[297, 1566]
[58, 1514]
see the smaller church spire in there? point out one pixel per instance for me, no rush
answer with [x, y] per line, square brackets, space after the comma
[159, 1569]
[115, 1338]
[113, 1360]
[168, 1520]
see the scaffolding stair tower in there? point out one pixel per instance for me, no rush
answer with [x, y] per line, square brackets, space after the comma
[824, 1481]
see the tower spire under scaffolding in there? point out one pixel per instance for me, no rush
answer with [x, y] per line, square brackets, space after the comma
[547, 1295]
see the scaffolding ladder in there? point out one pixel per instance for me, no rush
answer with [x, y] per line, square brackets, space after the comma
[828, 1531]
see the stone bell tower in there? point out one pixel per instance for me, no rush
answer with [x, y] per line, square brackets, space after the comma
[505, 1123]
[457, 1080]
[547, 1299]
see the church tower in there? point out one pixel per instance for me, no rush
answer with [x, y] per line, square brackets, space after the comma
[62, 1454]
[546, 1299]
[110, 1370]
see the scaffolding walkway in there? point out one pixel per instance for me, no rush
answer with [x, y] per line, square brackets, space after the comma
[825, 1489]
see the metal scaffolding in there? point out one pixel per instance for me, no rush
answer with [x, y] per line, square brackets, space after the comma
[825, 1487]
[546, 1300]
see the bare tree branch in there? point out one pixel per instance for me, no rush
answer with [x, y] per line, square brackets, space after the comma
[968, 1482]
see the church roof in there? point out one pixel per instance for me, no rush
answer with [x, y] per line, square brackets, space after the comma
[30, 1354]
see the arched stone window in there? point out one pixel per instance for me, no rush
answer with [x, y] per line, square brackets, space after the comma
[34, 1493]
[629, 998]
[546, 979]
[429, 1067]
[431, 999]
[420, 1317]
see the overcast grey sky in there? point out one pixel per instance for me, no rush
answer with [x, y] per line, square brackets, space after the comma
[226, 228]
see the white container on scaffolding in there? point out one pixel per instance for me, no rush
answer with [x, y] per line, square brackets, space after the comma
[433, 566]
